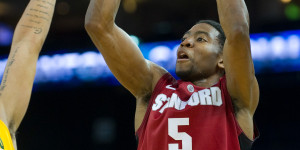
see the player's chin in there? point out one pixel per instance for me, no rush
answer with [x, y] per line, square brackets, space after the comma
[182, 73]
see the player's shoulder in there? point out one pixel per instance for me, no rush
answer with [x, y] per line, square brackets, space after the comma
[156, 69]
[157, 73]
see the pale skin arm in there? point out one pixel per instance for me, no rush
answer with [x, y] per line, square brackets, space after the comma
[121, 54]
[18, 77]
[241, 81]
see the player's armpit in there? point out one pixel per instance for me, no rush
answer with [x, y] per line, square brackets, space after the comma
[241, 81]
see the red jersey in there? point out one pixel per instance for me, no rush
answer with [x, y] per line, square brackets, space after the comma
[183, 116]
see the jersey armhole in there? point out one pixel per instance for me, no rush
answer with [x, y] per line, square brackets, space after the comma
[161, 82]
[256, 133]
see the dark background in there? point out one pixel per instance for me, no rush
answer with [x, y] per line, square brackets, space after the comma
[91, 116]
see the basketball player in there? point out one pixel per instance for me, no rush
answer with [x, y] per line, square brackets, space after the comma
[212, 106]
[19, 73]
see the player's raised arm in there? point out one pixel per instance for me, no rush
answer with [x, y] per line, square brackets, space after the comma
[17, 81]
[241, 81]
[121, 54]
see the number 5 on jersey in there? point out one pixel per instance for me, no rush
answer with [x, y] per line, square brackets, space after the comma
[186, 139]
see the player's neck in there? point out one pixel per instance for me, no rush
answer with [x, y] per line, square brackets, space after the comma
[208, 82]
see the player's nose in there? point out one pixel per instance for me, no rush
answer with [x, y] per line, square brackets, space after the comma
[187, 43]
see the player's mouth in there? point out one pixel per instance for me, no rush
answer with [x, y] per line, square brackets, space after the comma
[182, 56]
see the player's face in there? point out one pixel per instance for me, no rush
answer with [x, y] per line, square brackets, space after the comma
[199, 54]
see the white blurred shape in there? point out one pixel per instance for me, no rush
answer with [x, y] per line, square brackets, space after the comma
[293, 43]
[71, 60]
[174, 51]
[2, 66]
[135, 39]
[278, 47]
[255, 50]
[90, 59]
[260, 48]
[160, 53]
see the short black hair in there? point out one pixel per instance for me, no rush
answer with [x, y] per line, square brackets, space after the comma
[217, 26]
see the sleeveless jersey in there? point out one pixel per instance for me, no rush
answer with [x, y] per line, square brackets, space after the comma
[182, 116]
[5, 138]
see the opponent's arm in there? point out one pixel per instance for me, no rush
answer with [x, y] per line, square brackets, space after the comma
[241, 81]
[121, 54]
[17, 81]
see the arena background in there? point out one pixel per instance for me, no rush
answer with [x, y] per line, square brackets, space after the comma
[80, 106]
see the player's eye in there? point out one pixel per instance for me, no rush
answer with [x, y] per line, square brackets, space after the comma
[183, 39]
[200, 39]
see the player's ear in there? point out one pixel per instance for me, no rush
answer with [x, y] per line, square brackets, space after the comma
[220, 62]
